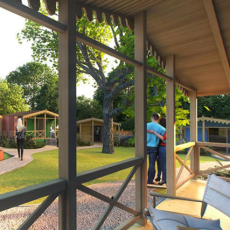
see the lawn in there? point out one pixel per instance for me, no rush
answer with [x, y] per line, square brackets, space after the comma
[45, 167]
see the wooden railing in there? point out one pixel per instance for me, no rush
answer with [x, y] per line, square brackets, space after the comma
[189, 145]
[38, 134]
[53, 188]
[205, 146]
[93, 174]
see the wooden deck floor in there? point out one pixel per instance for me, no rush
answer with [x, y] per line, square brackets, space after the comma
[192, 189]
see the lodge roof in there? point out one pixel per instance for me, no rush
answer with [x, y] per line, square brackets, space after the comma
[27, 114]
[96, 119]
[215, 120]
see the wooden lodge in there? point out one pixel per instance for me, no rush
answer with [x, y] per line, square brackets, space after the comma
[190, 39]
[87, 128]
[37, 124]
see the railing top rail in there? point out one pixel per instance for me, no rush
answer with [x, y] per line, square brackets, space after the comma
[184, 146]
[93, 174]
[212, 144]
[24, 195]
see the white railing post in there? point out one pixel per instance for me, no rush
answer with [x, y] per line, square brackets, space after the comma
[140, 113]
[67, 114]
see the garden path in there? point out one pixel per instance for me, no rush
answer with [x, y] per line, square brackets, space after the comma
[14, 162]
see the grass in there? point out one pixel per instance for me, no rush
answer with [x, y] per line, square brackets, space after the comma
[45, 167]
[6, 156]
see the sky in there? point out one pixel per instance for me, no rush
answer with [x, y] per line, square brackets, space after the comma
[13, 54]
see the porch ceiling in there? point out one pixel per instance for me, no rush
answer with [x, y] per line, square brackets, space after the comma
[183, 28]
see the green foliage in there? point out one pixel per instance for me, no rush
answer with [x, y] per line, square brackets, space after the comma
[212, 106]
[87, 108]
[11, 98]
[45, 43]
[47, 97]
[33, 77]
[28, 143]
[80, 142]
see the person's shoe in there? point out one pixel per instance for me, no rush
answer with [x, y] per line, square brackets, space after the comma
[157, 179]
[21, 159]
[162, 182]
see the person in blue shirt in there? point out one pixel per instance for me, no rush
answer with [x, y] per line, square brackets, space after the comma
[152, 144]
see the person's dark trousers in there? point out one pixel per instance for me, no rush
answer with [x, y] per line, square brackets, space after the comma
[159, 170]
[162, 158]
[152, 152]
[20, 144]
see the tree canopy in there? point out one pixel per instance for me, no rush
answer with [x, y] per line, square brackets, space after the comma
[11, 98]
[32, 76]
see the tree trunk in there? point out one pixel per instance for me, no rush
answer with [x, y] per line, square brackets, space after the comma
[108, 142]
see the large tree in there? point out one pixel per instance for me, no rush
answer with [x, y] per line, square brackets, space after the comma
[93, 63]
[11, 98]
[32, 76]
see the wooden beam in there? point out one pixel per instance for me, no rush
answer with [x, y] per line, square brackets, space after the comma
[140, 112]
[170, 117]
[210, 10]
[24, 195]
[182, 162]
[194, 158]
[93, 174]
[184, 146]
[105, 49]
[214, 169]
[26, 12]
[185, 180]
[211, 93]
[213, 144]
[189, 88]
[215, 153]
[157, 73]
[45, 124]
[35, 127]
[183, 165]
[67, 114]
[38, 212]
[203, 130]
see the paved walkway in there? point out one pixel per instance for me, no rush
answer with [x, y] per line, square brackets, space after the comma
[14, 162]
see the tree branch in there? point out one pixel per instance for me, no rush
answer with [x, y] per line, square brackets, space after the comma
[115, 37]
[127, 102]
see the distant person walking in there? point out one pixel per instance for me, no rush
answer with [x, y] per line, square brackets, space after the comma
[152, 145]
[20, 133]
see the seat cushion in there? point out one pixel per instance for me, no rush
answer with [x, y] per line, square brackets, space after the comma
[166, 220]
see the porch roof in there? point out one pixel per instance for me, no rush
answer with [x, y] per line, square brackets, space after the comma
[96, 119]
[196, 32]
[28, 114]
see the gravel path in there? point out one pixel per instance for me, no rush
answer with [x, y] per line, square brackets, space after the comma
[89, 210]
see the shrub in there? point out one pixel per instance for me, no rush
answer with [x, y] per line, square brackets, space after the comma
[80, 142]
[28, 144]
[116, 140]
[124, 141]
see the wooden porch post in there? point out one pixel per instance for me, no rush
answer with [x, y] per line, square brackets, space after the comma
[140, 113]
[55, 124]
[203, 130]
[80, 130]
[67, 114]
[92, 131]
[170, 116]
[45, 124]
[35, 127]
[194, 158]
[119, 133]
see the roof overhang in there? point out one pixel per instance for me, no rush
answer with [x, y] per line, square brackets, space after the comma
[95, 119]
